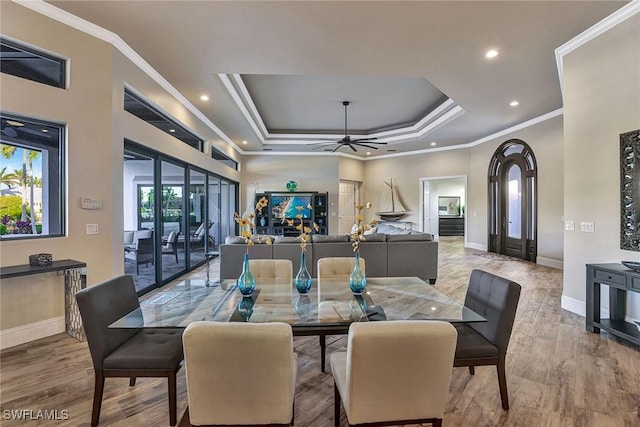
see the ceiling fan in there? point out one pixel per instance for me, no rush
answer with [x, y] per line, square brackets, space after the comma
[346, 141]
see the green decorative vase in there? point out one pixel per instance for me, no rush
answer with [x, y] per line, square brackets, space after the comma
[357, 281]
[246, 281]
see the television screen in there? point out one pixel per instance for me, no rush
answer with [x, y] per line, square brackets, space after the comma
[284, 206]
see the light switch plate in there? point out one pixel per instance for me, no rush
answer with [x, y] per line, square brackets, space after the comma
[91, 229]
[569, 225]
[587, 227]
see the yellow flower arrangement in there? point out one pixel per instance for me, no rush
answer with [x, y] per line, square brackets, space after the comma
[247, 226]
[357, 233]
[305, 232]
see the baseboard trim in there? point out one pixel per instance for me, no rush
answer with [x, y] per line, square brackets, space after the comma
[31, 332]
[477, 246]
[573, 305]
[550, 262]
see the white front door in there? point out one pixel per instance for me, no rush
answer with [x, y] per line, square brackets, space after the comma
[346, 207]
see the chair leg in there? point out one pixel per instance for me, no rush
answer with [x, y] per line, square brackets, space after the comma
[132, 381]
[502, 382]
[137, 269]
[336, 405]
[97, 398]
[437, 422]
[472, 370]
[323, 345]
[173, 407]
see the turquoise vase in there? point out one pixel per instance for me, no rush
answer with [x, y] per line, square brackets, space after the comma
[246, 281]
[303, 278]
[357, 281]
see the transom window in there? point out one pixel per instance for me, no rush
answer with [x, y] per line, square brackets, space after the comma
[28, 63]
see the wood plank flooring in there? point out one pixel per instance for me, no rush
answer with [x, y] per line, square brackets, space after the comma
[558, 374]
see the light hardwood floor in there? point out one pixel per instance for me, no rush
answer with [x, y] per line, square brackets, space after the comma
[558, 374]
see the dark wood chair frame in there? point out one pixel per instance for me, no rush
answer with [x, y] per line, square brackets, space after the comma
[101, 375]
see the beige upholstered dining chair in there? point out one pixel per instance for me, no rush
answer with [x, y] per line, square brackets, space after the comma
[394, 373]
[271, 268]
[239, 373]
[337, 267]
[333, 268]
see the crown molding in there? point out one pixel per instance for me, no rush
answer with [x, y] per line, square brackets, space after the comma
[301, 153]
[617, 17]
[94, 30]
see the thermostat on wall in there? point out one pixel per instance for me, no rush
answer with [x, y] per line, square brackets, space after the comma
[89, 203]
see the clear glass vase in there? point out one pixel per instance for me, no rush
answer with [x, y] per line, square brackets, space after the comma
[357, 281]
[246, 281]
[303, 278]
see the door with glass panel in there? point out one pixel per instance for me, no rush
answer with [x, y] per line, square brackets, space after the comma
[139, 216]
[172, 233]
[512, 201]
[198, 225]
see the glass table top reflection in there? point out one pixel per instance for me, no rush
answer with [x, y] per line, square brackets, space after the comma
[329, 305]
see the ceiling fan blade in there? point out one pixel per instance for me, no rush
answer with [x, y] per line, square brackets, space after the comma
[364, 139]
[336, 149]
[353, 148]
[365, 145]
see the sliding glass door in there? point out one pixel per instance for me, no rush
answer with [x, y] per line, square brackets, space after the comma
[173, 215]
[171, 239]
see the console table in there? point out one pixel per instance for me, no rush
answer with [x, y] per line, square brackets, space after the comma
[620, 281]
[73, 282]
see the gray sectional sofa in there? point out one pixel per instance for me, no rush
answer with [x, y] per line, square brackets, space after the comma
[414, 254]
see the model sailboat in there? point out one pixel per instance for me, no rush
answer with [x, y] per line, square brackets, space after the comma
[392, 207]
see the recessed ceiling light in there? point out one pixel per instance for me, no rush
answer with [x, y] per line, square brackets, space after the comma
[514, 103]
[172, 130]
[368, 153]
[204, 98]
[14, 123]
[491, 53]
[244, 142]
[433, 144]
[45, 130]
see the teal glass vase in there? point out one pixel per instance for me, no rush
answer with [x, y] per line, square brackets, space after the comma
[357, 281]
[246, 281]
[303, 278]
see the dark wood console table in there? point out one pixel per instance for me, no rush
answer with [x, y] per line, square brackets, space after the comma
[620, 281]
[73, 282]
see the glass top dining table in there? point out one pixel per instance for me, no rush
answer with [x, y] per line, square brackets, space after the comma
[330, 306]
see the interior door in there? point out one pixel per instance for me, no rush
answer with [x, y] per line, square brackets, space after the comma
[346, 207]
[513, 231]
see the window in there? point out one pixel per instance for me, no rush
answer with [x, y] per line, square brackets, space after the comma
[140, 108]
[32, 171]
[21, 61]
[224, 159]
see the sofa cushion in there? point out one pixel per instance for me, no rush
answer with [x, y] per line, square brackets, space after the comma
[332, 238]
[129, 237]
[286, 239]
[376, 237]
[415, 237]
[234, 240]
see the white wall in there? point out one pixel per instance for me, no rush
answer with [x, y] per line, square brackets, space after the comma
[601, 100]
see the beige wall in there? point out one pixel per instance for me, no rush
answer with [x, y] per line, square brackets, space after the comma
[545, 139]
[92, 109]
[312, 173]
[601, 100]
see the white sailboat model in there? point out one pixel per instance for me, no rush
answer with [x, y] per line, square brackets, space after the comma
[393, 209]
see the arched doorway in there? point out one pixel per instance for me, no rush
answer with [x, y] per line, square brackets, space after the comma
[513, 201]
